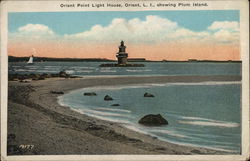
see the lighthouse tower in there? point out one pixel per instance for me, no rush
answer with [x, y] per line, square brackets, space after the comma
[122, 55]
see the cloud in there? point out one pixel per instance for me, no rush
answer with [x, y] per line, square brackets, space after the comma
[36, 28]
[182, 34]
[226, 36]
[153, 29]
[225, 31]
[33, 32]
[226, 25]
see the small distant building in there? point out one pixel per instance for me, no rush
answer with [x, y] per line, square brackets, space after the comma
[192, 60]
[122, 55]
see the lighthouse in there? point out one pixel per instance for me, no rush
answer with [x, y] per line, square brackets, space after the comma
[122, 59]
[122, 55]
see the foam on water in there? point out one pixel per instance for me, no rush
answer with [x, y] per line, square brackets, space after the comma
[85, 71]
[54, 66]
[32, 68]
[203, 123]
[24, 70]
[168, 132]
[101, 117]
[47, 71]
[218, 148]
[78, 67]
[26, 66]
[146, 85]
[209, 136]
[209, 83]
[208, 122]
[113, 109]
[101, 113]
[196, 118]
[108, 71]
[50, 68]
[70, 71]
[137, 129]
[146, 70]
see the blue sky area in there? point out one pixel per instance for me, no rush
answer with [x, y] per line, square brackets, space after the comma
[75, 22]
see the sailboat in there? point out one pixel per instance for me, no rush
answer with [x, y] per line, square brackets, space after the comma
[30, 60]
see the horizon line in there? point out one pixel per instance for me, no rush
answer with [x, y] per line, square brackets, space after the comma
[134, 58]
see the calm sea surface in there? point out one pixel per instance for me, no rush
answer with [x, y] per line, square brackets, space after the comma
[151, 68]
[203, 114]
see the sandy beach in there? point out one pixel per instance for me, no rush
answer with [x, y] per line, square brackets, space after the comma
[35, 118]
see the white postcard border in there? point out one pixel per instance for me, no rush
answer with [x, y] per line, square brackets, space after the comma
[46, 6]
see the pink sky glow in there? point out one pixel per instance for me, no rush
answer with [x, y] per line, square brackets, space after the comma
[167, 51]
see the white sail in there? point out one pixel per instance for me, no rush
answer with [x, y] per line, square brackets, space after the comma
[30, 60]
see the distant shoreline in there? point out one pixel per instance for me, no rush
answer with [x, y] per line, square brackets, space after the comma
[47, 59]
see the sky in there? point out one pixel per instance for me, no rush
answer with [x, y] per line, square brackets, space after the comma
[154, 35]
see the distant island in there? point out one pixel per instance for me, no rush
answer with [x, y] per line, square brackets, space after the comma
[41, 59]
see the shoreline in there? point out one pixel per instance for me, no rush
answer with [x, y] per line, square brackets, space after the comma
[60, 130]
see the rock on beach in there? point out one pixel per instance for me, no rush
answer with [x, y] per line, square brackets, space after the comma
[108, 98]
[56, 92]
[153, 120]
[148, 95]
[89, 94]
[116, 104]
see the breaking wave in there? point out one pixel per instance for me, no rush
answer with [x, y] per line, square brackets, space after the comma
[101, 113]
[113, 109]
[204, 123]
[168, 132]
[118, 120]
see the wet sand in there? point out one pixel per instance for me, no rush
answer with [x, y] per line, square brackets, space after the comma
[35, 118]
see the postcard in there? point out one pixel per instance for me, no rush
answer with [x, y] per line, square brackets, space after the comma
[125, 80]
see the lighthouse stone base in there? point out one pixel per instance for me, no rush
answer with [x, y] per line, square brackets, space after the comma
[122, 65]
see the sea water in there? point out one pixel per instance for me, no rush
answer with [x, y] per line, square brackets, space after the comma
[199, 114]
[206, 114]
[151, 68]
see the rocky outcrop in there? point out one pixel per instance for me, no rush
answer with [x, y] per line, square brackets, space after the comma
[116, 104]
[89, 94]
[148, 95]
[94, 127]
[122, 65]
[153, 120]
[32, 76]
[56, 92]
[63, 74]
[108, 98]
